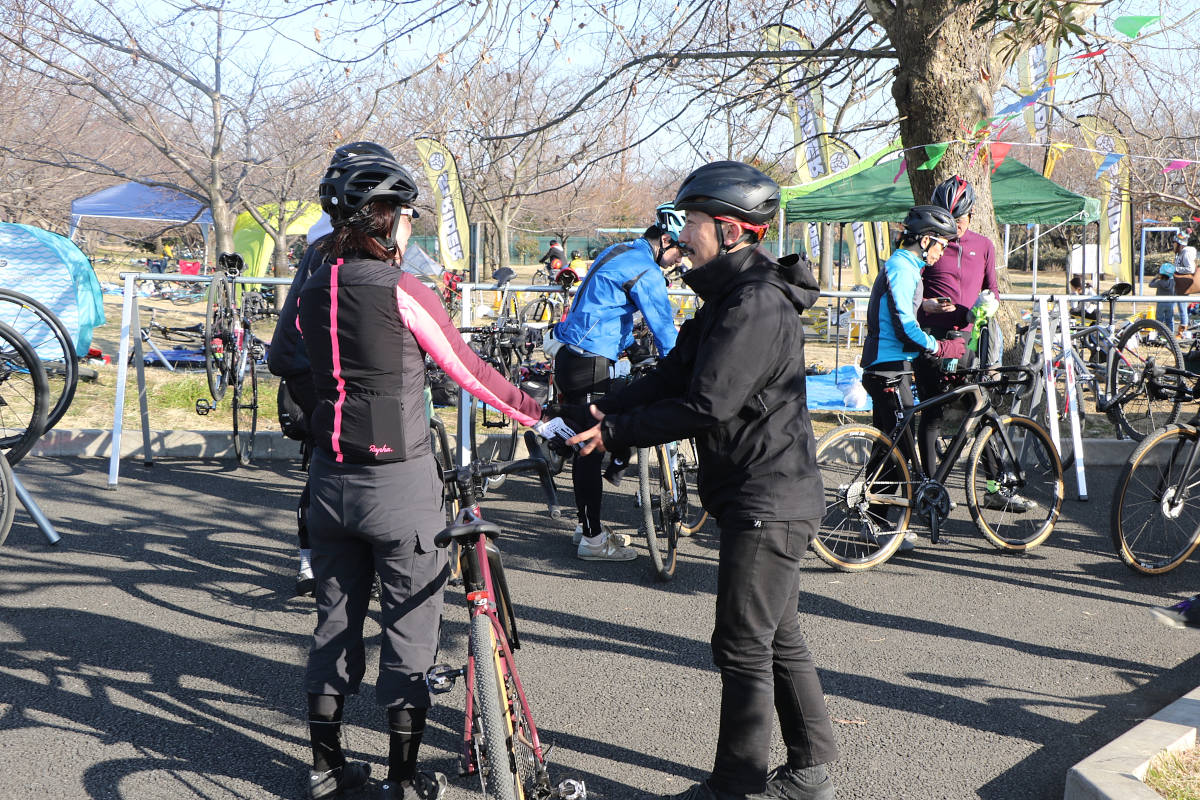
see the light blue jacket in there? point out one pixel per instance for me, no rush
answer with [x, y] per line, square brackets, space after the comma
[601, 317]
[893, 333]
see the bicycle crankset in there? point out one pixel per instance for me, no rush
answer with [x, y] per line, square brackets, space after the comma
[933, 502]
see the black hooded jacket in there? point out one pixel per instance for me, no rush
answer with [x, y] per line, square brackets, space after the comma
[735, 381]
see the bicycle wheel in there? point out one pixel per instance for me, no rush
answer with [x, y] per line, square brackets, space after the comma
[53, 344]
[1155, 522]
[863, 480]
[1013, 514]
[1137, 345]
[692, 515]
[24, 395]
[543, 309]
[220, 349]
[8, 497]
[656, 493]
[496, 763]
[245, 408]
[1062, 417]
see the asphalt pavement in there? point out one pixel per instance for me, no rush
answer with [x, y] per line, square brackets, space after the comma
[157, 653]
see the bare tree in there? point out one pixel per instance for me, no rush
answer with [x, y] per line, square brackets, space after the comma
[183, 79]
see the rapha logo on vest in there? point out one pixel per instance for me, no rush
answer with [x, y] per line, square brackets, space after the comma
[376, 449]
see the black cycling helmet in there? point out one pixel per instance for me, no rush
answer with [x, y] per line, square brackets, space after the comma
[361, 149]
[351, 183]
[931, 220]
[955, 195]
[576, 254]
[730, 189]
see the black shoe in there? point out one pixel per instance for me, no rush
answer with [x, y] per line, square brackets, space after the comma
[425, 786]
[349, 777]
[800, 783]
[702, 791]
[306, 584]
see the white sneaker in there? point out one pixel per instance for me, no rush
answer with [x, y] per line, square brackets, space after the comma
[609, 549]
[577, 537]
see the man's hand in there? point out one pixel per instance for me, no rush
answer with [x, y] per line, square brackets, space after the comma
[936, 306]
[588, 441]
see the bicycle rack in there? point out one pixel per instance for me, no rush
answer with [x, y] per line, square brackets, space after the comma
[130, 321]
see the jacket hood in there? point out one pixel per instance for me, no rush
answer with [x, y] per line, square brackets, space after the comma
[791, 274]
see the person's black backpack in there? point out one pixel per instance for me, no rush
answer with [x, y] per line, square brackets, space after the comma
[292, 420]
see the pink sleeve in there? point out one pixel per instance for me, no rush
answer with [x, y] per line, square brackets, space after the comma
[423, 315]
[989, 269]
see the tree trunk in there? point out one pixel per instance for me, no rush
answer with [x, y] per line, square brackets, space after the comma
[945, 82]
[279, 266]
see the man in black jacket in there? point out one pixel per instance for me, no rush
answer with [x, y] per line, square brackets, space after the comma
[735, 381]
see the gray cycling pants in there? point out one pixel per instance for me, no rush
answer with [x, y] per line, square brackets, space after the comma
[365, 519]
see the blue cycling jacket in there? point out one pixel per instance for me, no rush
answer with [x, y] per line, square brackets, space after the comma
[893, 333]
[626, 280]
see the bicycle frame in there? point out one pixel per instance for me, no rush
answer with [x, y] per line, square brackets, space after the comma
[486, 592]
[981, 413]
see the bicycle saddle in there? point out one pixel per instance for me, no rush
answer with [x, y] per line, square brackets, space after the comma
[503, 276]
[566, 278]
[466, 532]
[231, 264]
[1118, 290]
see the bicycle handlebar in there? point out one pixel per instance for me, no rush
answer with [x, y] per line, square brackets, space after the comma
[464, 477]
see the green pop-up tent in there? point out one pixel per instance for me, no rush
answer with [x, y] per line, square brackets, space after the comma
[1019, 195]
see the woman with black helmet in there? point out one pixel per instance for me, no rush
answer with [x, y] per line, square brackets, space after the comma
[894, 338]
[735, 382]
[376, 492]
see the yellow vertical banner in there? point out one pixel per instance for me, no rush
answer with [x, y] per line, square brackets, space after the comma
[863, 254]
[442, 172]
[1110, 151]
[806, 108]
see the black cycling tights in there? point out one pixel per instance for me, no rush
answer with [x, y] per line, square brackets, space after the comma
[582, 380]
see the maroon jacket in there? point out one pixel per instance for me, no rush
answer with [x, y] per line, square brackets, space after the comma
[966, 268]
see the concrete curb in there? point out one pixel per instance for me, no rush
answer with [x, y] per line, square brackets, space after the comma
[268, 445]
[1116, 771]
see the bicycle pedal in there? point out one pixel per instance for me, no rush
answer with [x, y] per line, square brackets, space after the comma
[203, 406]
[441, 678]
[571, 789]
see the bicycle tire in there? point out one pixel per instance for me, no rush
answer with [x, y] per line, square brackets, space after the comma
[219, 346]
[844, 455]
[8, 496]
[24, 395]
[692, 515]
[1009, 528]
[1140, 414]
[541, 310]
[1150, 534]
[656, 493]
[53, 344]
[245, 409]
[1062, 419]
[498, 771]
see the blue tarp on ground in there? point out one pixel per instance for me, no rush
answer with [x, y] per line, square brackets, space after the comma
[51, 269]
[828, 392]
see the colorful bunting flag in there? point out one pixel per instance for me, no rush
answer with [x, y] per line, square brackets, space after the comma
[1054, 78]
[1106, 164]
[999, 153]
[1131, 26]
[933, 154]
[1092, 54]
[1178, 163]
[903, 167]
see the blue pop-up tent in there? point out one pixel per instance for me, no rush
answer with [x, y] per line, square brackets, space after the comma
[139, 202]
[50, 268]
